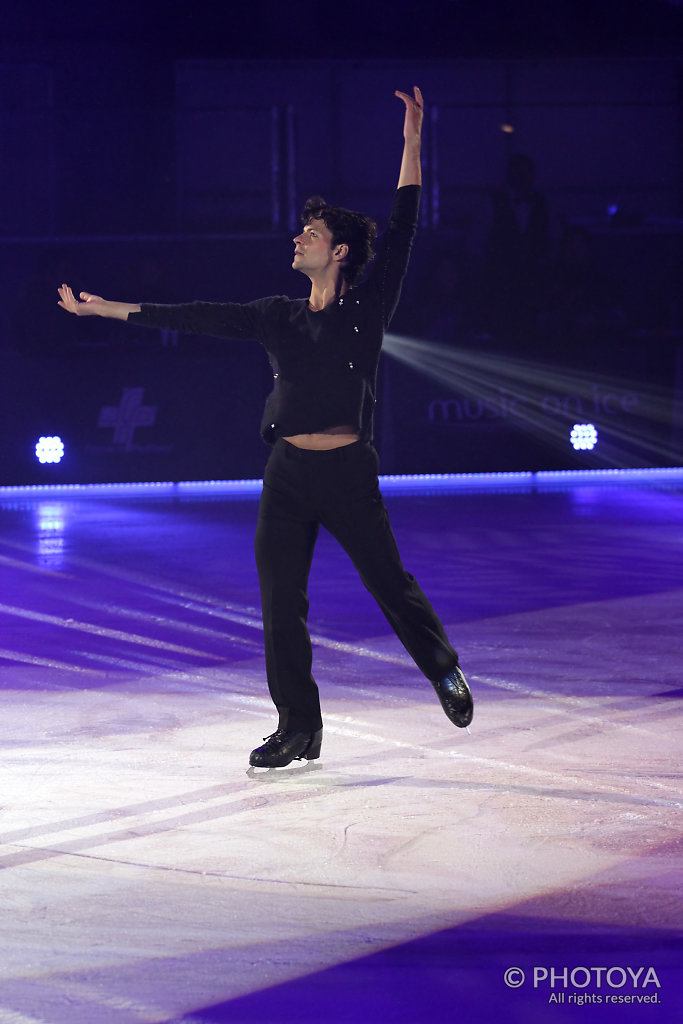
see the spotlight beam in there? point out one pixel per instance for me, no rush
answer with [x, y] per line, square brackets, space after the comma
[525, 386]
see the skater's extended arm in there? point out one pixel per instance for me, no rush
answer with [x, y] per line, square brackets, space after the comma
[411, 169]
[216, 319]
[388, 271]
[94, 305]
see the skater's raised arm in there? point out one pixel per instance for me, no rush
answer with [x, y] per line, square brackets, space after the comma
[411, 169]
[94, 305]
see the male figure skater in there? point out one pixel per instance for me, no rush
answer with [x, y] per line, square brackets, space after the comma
[322, 470]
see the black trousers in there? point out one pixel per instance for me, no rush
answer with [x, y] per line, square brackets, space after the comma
[339, 490]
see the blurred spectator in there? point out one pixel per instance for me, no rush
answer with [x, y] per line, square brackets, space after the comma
[441, 309]
[149, 277]
[517, 250]
[583, 306]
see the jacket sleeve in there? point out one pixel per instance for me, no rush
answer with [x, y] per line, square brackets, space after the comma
[391, 263]
[216, 319]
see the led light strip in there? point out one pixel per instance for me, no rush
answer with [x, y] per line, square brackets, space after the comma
[415, 481]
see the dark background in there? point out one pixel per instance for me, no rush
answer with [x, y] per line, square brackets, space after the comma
[161, 154]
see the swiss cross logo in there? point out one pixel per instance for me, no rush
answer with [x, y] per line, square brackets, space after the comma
[127, 416]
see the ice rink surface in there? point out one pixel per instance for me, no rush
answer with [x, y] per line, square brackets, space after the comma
[529, 871]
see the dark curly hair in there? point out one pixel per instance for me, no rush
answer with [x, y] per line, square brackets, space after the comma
[347, 227]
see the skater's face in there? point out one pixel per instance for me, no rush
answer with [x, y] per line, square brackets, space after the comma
[314, 251]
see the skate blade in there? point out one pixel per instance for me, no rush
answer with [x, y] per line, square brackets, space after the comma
[289, 771]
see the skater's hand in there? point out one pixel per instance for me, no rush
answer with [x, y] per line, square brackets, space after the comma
[412, 125]
[91, 305]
